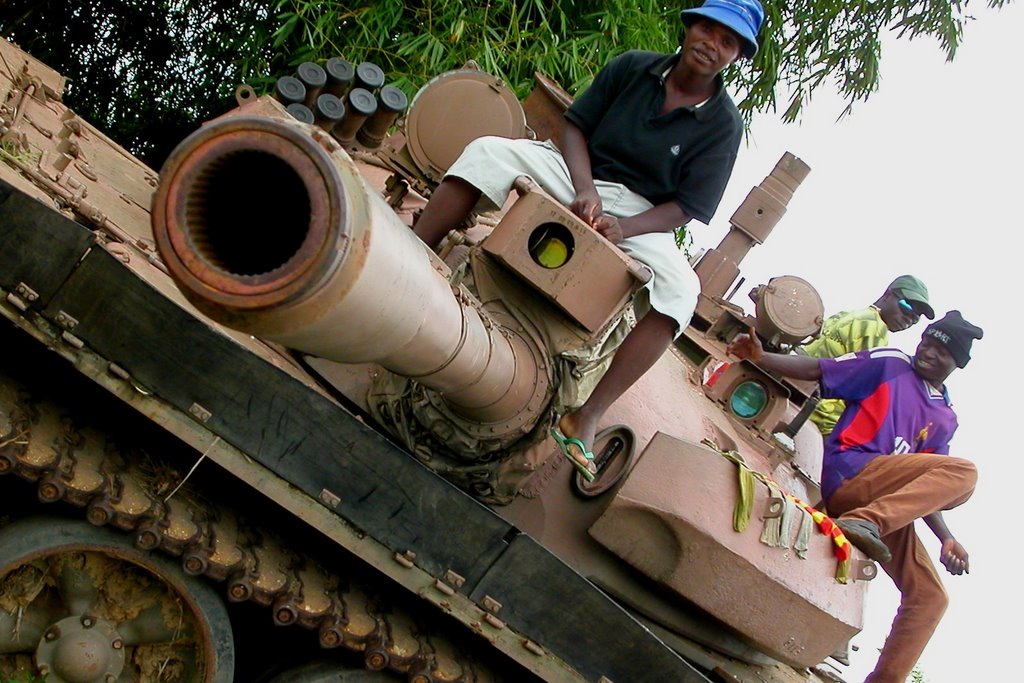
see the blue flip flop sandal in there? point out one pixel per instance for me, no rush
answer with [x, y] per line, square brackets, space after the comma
[564, 442]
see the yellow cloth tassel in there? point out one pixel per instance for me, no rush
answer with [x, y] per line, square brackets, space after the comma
[843, 571]
[803, 536]
[745, 501]
[771, 533]
[777, 530]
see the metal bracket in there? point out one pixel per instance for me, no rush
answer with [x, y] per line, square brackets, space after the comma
[199, 412]
[26, 292]
[66, 321]
[117, 371]
[329, 499]
[490, 604]
[72, 340]
[454, 579]
[776, 506]
[494, 621]
[406, 559]
[863, 570]
[17, 302]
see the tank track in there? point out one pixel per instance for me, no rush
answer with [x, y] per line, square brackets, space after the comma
[138, 495]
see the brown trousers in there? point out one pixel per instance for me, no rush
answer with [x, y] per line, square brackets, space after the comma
[893, 491]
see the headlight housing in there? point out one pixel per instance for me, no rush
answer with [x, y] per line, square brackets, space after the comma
[748, 399]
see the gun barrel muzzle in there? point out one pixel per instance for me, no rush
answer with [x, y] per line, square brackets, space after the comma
[274, 232]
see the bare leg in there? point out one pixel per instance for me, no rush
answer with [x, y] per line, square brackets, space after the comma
[640, 350]
[449, 205]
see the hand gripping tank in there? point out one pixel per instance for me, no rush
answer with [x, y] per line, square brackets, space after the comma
[267, 394]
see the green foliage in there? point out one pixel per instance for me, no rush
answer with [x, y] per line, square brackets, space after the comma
[146, 71]
[806, 44]
[415, 41]
[149, 71]
[917, 676]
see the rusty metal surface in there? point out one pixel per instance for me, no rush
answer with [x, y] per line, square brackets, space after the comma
[545, 108]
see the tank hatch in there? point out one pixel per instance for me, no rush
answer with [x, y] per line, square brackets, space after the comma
[789, 310]
[477, 100]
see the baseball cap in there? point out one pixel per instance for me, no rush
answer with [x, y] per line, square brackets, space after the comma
[742, 16]
[913, 290]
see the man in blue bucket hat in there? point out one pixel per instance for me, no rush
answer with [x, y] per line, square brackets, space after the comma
[742, 16]
[647, 147]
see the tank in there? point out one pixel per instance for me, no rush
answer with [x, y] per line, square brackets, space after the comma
[240, 394]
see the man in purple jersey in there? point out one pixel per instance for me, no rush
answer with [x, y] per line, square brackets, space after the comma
[886, 464]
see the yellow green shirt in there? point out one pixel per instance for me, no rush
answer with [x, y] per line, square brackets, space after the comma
[842, 333]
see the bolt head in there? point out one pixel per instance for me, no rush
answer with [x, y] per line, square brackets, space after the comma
[97, 516]
[147, 540]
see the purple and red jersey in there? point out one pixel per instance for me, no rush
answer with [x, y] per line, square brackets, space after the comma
[890, 410]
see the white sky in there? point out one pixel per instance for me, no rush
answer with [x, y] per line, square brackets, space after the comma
[924, 178]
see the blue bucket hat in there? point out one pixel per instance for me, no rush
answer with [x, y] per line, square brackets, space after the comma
[742, 16]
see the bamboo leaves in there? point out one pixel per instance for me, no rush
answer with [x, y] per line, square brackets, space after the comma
[805, 44]
[148, 69]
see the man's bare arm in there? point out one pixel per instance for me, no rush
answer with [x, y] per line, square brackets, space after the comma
[748, 347]
[587, 204]
[661, 218]
[952, 555]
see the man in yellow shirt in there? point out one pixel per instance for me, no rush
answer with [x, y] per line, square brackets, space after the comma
[902, 304]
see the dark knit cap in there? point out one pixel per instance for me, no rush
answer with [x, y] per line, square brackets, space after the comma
[956, 334]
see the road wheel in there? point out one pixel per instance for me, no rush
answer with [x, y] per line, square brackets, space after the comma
[81, 604]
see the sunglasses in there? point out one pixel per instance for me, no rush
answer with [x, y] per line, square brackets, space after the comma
[904, 304]
[908, 308]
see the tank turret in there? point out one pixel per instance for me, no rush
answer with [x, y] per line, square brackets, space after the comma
[323, 265]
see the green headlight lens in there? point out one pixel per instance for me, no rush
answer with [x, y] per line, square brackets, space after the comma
[748, 400]
[551, 252]
[551, 245]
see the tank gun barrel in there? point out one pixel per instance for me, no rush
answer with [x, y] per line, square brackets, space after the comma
[272, 231]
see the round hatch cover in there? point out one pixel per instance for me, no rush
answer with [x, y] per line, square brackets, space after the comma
[789, 307]
[454, 109]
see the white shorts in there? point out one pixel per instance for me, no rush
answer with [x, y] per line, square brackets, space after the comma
[492, 164]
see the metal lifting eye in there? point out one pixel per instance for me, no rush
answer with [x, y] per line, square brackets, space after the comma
[748, 400]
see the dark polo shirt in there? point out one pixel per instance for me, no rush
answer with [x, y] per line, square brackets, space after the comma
[685, 156]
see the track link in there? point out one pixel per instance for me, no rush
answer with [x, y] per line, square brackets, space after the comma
[137, 493]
